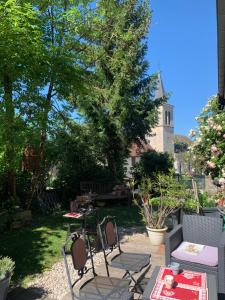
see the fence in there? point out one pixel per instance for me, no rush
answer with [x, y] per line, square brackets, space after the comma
[204, 183]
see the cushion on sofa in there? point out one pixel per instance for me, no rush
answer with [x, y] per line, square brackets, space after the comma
[207, 255]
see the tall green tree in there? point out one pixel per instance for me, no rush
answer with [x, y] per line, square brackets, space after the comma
[120, 107]
[62, 56]
[41, 64]
[61, 73]
[20, 49]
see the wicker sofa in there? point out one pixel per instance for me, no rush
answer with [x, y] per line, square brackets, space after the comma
[203, 230]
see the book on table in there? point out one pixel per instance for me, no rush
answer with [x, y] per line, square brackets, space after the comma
[75, 215]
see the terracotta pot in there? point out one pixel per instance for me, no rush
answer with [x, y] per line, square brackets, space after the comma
[156, 236]
[4, 285]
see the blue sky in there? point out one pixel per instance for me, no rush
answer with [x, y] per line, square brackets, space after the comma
[183, 44]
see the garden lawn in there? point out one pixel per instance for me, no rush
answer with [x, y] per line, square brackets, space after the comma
[37, 247]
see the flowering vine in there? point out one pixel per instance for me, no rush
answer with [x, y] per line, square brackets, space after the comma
[209, 140]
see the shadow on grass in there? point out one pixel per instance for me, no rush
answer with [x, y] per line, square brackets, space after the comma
[37, 247]
[34, 248]
[20, 293]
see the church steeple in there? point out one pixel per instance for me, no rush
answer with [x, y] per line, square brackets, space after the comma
[160, 92]
[162, 136]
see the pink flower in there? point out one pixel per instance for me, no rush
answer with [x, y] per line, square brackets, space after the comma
[224, 135]
[221, 181]
[192, 133]
[211, 164]
[220, 202]
[210, 122]
[215, 151]
[214, 148]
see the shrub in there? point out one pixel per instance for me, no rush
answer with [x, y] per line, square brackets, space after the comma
[151, 164]
[172, 195]
[7, 266]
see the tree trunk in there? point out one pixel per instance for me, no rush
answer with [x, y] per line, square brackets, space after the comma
[112, 165]
[9, 135]
[36, 184]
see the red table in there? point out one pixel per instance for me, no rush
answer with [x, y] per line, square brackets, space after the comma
[156, 286]
[188, 285]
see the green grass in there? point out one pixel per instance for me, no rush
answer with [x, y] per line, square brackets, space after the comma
[36, 248]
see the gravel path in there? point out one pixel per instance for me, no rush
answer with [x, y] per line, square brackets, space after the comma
[54, 282]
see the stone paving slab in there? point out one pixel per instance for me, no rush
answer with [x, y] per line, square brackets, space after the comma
[137, 243]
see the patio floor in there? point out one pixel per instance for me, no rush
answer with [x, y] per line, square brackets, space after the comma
[132, 240]
[137, 242]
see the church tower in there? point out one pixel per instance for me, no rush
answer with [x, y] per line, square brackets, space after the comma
[162, 136]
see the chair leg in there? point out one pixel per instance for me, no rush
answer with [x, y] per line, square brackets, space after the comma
[68, 275]
[125, 274]
[137, 283]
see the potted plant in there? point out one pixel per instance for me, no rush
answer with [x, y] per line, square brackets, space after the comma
[170, 196]
[202, 203]
[7, 266]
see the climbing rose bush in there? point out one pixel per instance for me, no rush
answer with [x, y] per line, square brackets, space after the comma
[209, 140]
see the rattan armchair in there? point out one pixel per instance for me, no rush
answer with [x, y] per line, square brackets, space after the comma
[199, 230]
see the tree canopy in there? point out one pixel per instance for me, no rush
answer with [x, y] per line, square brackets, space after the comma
[75, 87]
[151, 164]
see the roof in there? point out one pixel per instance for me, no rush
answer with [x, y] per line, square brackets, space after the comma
[160, 92]
[136, 150]
[182, 139]
[221, 46]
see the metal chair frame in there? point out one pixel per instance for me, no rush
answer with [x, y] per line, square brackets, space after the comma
[108, 249]
[83, 270]
[74, 237]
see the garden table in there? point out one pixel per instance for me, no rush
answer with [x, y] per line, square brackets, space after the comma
[82, 215]
[211, 285]
[79, 214]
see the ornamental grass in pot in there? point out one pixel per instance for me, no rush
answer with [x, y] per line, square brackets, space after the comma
[169, 196]
[7, 266]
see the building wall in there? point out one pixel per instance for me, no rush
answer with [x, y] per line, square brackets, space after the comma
[168, 140]
[130, 162]
[156, 139]
[181, 164]
[162, 137]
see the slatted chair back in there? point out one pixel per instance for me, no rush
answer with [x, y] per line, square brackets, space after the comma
[108, 234]
[79, 254]
[202, 230]
[80, 248]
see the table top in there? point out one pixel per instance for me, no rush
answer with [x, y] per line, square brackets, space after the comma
[211, 284]
[79, 213]
[73, 215]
